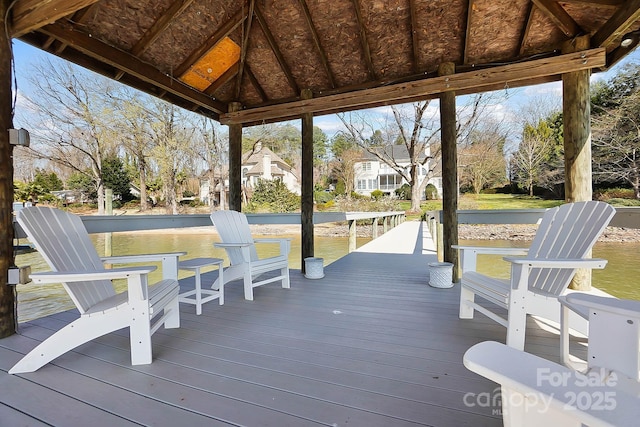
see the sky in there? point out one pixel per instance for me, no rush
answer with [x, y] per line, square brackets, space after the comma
[507, 107]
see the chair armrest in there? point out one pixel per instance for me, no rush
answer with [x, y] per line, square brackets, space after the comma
[231, 245]
[272, 240]
[492, 251]
[122, 259]
[622, 307]
[169, 261]
[285, 244]
[469, 254]
[559, 263]
[82, 276]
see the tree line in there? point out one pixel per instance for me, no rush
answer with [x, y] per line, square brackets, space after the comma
[90, 133]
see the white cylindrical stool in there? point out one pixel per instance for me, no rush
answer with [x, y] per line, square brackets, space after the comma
[313, 268]
[441, 274]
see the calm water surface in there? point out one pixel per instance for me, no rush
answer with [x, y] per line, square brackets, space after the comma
[621, 277]
[40, 300]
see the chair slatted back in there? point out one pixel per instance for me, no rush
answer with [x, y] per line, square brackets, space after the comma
[62, 240]
[568, 231]
[233, 227]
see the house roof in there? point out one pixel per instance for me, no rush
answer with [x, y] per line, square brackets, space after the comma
[256, 156]
[350, 54]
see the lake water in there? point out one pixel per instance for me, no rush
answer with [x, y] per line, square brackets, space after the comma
[620, 277]
[36, 301]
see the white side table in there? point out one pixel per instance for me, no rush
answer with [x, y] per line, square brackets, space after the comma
[199, 296]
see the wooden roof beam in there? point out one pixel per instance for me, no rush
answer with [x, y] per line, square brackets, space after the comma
[131, 65]
[222, 32]
[224, 78]
[255, 83]
[244, 48]
[476, 80]
[29, 15]
[157, 28]
[276, 50]
[559, 16]
[363, 40]
[527, 28]
[465, 54]
[617, 25]
[316, 41]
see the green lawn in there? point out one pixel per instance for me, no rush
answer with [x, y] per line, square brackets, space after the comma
[487, 201]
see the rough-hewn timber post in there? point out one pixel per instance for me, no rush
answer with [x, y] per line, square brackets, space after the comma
[449, 171]
[374, 228]
[352, 235]
[235, 161]
[576, 113]
[7, 316]
[306, 216]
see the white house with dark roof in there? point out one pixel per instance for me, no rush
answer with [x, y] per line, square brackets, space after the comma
[262, 163]
[373, 174]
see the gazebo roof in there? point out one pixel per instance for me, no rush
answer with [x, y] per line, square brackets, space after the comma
[351, 54]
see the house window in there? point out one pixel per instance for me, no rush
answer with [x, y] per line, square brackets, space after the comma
[362, 184]
[390, 182]
[366, 166]
[373, 184]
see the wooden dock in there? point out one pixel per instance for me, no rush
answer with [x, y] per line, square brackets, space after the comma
[370, 344]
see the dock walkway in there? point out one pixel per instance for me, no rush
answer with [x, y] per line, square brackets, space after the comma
[370, 344]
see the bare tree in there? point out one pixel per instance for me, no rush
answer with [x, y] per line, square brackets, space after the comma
[171, 142]
[417, 128]
[211, 146]
[75, 126]
[133, 124]
[616, 142]
[481, 160]
[408, 129]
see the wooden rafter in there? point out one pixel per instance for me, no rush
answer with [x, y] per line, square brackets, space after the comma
[223, 79]
[364, 41]
[244, 48]
[415, 42]
[276, 51]
[316, 41]
[157, 28]
[525, 33]
[130, 64]
[467, 35]
[618, 24]
[78, 17]
[477, 80]
[29, 15]
[222, 32]
[255, 83]
[559, 16]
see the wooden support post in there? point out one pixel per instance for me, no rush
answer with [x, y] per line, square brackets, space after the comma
[449, 171]
[576, 114]
[374, 228]
[7, 298]
[385, 224]
[306, 216]
[235, 162]
[352, 235]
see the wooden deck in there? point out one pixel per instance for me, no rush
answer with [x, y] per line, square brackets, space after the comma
[370, 344]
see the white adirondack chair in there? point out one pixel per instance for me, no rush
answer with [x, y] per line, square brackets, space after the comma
[234, 231]
[64, 243]
[537, 392]
[614, 333]
[561, 245]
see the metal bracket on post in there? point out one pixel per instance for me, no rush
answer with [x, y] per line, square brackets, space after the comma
[19, 275]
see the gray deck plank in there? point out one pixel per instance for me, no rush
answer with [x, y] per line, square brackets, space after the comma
[371, 344]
